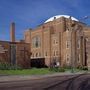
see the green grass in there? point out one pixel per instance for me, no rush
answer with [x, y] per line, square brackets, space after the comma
[33, 71]
[75, 70]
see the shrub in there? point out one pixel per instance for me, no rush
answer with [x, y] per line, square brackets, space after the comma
[15, 67]
[82, 68]
[3, 66]
[57, 69]
[85, 68]
[6, 66]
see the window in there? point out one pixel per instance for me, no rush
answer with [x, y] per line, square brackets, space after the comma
[32, 55]
[54, 18]
[67, 58]
[36, 42]
[39, 54]
[79, 58]
[56, 53]
[78, 44]
[45, 53]
[36, 54]
[67, 44]
[55, 41]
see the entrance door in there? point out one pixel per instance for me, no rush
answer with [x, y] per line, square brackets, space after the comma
[38, 62]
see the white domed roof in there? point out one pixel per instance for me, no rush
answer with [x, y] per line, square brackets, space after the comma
[58, 16]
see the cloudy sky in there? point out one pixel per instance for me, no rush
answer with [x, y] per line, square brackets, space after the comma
[30, 13]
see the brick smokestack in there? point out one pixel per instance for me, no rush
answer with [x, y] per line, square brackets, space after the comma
[12, 32]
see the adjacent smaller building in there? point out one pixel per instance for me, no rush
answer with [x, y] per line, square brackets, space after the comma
[13, 52]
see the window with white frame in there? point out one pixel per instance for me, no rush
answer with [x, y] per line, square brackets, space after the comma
[55, 41]
[53, 53]
[45, 53]
[67, 44]
[36, 42]
[56, 53]
[79, 58]
[67, 58]
[78, 44]
[39, 54]
[32, 54]
[36, 54]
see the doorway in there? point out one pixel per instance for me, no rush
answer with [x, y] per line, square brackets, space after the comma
[38, 62]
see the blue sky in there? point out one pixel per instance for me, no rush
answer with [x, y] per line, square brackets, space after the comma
[30, 13]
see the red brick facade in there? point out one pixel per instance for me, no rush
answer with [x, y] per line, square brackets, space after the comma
[61, 40]
[15, 53]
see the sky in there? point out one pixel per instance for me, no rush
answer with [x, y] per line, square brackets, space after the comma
[31, 13]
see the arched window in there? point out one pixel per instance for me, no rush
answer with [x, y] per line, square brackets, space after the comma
[36, 54]
[78, 44]
[36, 42]
[67, 58]
[56, 53]
[67, 44]
[39, 54]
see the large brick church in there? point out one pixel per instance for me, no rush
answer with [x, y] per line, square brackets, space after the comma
[62, 39]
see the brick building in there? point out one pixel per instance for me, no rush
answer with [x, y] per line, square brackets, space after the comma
[61, 40]
[13, 52]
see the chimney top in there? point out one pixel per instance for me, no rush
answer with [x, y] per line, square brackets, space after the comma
[12, 32]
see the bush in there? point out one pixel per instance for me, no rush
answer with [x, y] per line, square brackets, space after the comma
[85, 68]
[57, 69]
[3, 66]
[82, 68]
[6, 66]
[15, 67]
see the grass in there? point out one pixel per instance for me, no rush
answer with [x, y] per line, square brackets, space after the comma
[75, 70]
[33, 71]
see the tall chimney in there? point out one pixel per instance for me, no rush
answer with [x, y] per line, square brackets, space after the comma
[12, 32]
